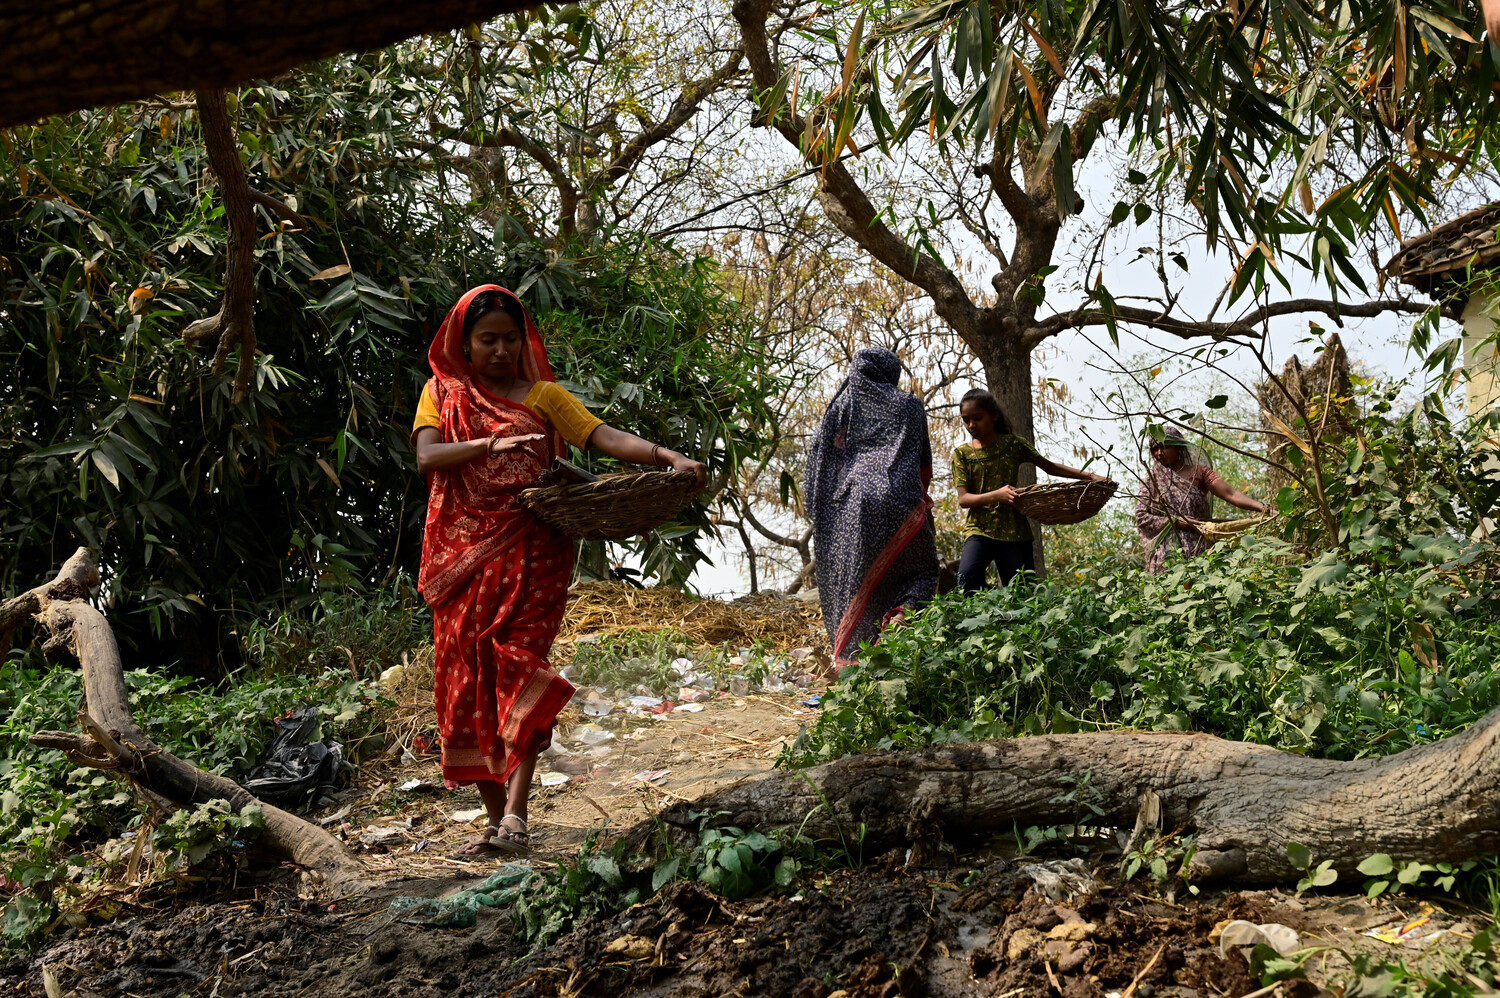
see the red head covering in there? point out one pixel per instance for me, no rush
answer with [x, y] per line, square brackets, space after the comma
[446, 355]
[473, 510]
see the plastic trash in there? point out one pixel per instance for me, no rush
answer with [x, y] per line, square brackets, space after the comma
[553, 779]
[591, 734]
[645, 702]
[812, 701]
[691, 708]
[468, 817]
[1240, 934]
[689, 695]
[295, 770]
[460, 910]
[1061, 879]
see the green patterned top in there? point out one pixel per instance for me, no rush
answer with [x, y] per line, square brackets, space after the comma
[984, 469]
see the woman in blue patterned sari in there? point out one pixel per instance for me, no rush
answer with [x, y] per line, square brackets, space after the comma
[868, 466]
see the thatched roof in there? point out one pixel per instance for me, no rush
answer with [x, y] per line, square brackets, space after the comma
[1439, 261]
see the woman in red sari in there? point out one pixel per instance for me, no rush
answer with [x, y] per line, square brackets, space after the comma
[489, 423]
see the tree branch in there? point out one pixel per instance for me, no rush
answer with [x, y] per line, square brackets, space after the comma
[682, 111]
[844, 202]
[1246, 325]
[235, 320]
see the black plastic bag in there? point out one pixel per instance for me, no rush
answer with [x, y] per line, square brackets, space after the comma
[296, 770]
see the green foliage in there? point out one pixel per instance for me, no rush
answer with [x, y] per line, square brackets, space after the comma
[730, 861]
[1402, 485]
[1230, 643]
[1321, 875]
[1166, 859]
[48, 807]
[114, 433]
[1260, 102]
[190, 837]
[1385, 876]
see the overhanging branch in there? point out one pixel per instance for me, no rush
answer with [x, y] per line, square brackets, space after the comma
[1247, 325]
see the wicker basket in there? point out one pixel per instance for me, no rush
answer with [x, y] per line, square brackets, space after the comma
[1064, 502]
[1222, 530]
[615, 507]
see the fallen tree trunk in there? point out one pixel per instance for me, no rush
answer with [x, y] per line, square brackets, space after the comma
[1244, 803]
[112, 740]
[63, 55]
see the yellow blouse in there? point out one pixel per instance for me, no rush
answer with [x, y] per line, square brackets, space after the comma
[548, 399]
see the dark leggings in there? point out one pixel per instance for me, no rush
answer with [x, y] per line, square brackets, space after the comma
[979, 552]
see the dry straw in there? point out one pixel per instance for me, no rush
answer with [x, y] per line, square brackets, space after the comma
[614, 507]
[1222, 530]
[1063, 502]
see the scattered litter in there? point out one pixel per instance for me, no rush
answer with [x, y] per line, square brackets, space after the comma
[800, 653]
[690, 695]
[553, 779]
[465, 817]
[1061, 879]
[295, 770]
[418, 847]
[682, 666]
[338, 815]
[1411, 935]
[597, 707]
[804, 679]
[645, 702]
[384, 835]
[739, 686]
[665, 707]
[391, 678]
[648, 776]
[414, 784]
[691, 708]
[592, 734]
[1240, 934]
[812, 701]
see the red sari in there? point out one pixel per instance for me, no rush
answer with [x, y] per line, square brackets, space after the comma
[496, 577]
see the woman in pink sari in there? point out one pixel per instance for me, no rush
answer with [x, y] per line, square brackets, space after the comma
[489, 423]
[1179, 490]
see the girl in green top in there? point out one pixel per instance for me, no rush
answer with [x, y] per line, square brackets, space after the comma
[984, 475]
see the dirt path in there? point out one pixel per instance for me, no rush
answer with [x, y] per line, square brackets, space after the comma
[619, 769]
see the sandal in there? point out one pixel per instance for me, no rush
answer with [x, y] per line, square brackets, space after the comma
[512, 840]
[478, 847]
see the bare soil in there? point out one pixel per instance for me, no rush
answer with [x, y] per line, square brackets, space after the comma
[975, 926]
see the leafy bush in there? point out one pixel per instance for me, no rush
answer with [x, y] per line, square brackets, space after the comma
[48, 807]
[1341, 659]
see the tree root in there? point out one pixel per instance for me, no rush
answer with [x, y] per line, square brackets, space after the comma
[1244, 803]
[111, 740]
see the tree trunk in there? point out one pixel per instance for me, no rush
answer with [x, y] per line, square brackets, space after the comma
[113, 741]
[63, 55]
[1244, 803]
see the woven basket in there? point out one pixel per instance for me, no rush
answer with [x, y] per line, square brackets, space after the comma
[1222, 530]
[1064, 502]
[615, 507]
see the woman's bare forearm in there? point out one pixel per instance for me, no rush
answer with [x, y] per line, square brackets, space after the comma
[434, 455]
